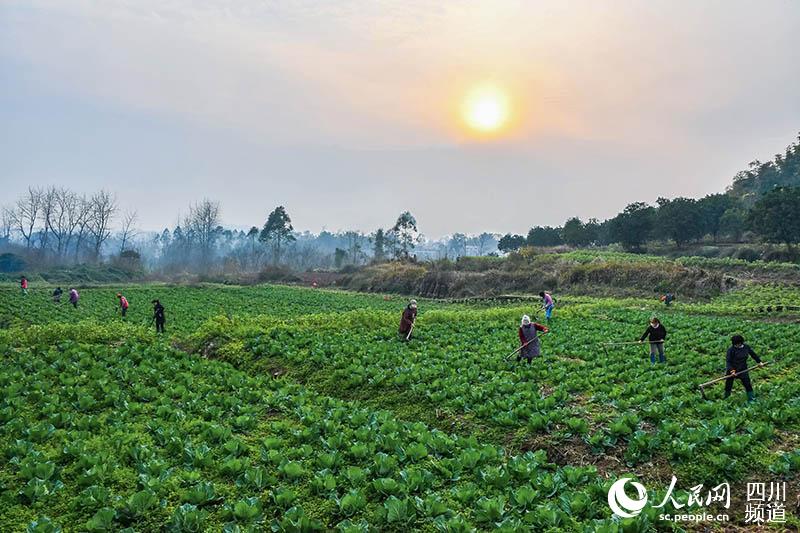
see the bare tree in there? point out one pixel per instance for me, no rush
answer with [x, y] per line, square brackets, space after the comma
[48, 206]
[202, 224]
[103, 206]
[458, 243]
[81, 218]
[304, 256]
[6, 223]
[485, 242]
[256, 249]
[59, 215]
[27, 213]
[128, 231]
[354, 245]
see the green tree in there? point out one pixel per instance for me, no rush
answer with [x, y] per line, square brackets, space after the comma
[592, 229]
[379, 245]
[679, 219]
[277, 231]
[711, 208]
[575, 233]
[733, 222]
[633, 226]
[761, 178]
[404, 235]
[776, 217]
[252, 236]
[510, 243]
[544, 236]
[604, 235]
[339, 256]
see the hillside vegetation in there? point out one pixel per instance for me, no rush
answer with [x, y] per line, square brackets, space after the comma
[578, 272]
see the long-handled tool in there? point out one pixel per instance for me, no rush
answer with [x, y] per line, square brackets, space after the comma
[408, 337]
[630, 342]
[703, 386]
[509, 356]
[605, 345]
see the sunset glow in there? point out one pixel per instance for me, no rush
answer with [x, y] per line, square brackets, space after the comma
[486, 109]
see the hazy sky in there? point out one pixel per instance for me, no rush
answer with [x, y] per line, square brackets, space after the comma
[346, 112]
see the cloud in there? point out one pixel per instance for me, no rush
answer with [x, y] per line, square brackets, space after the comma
[324, 105]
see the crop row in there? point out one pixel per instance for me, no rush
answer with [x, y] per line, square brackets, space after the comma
[608, 400]
[186, 307]
[143, 437]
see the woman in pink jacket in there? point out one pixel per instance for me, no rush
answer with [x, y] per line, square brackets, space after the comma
[123, 304]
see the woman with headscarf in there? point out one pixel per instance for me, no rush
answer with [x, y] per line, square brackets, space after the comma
[407, 319]
[529, 339]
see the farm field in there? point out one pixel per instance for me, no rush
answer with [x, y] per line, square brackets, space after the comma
[290, 409]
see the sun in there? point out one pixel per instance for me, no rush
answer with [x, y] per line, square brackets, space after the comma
[486, 109]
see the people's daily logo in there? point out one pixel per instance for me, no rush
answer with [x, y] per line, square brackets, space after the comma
[621, 504]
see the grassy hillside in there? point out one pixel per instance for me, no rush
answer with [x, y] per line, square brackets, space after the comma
[577, 272]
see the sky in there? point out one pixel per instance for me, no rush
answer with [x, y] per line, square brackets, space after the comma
[349, 112]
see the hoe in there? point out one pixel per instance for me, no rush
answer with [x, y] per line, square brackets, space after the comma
[703, 386]
[509, 356]
[605, 345]
[410, 331]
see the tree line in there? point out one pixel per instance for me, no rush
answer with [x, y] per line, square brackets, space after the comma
[58, 223]
[57, 226]
[763, 200]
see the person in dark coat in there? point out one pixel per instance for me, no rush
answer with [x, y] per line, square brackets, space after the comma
[736, 362]
[529, 339]
[657, 334]
[408, 319]
[158, 316]
[57, 295]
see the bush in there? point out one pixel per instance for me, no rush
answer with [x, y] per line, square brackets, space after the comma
[349, 269]
[747, 254]
[129, 260]
[478, 264]
[397, 277]
[778, 255]
[12, 263]
[708, 251]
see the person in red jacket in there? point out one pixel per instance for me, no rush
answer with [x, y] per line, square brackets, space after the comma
[408, 319]
[529, 339]
[23, 283]
[123, 304]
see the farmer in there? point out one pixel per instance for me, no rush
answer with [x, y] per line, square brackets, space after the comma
[658, 334]
[736, 362]
[158, 316]
[408, 319]
[547, 304]
[123, 304]
[668, 298]
[23, 284]
[529, 339]
[57, 295]
[73, 297]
